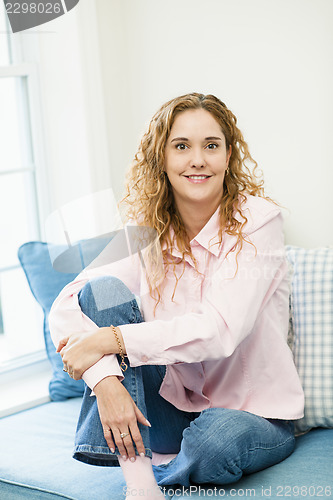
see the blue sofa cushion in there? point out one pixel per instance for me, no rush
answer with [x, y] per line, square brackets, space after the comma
[36, 463]
[45, 284]
[36, 460]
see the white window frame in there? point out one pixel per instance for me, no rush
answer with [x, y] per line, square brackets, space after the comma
[17, 67]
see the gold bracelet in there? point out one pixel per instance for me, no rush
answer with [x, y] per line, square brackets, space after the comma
[123, 365]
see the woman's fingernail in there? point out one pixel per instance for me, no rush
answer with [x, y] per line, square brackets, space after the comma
[132, 459]
[124, 457]
[142, 454]
[148, 422]
[112, 450]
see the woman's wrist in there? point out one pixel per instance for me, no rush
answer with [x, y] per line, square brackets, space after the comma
[108, 342]
[105, 382]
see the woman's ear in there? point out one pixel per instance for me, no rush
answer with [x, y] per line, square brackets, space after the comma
[229, 154]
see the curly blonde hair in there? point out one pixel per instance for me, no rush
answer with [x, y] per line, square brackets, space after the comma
[149, 195]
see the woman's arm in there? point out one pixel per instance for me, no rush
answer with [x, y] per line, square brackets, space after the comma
[225, 317]
[66, 317]
[80, 351]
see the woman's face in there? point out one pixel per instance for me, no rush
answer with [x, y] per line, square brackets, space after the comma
[196, 159]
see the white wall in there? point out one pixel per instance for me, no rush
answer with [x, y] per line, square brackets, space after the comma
[269, 60]
[109, 64]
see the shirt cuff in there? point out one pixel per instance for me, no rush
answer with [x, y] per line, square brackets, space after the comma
[105, 367]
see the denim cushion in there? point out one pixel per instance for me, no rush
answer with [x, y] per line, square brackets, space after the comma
[46, 283]
[312, 324]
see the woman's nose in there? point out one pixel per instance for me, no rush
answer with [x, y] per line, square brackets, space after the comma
[197, 159]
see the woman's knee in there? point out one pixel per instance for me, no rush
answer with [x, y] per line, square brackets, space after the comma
[218, 430]
[228, 443]
[107, 300]
[105, 292]
[214, 443]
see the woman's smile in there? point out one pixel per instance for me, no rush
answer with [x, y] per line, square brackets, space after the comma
[197, 179]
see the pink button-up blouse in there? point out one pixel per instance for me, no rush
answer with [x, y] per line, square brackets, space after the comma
[223, 336]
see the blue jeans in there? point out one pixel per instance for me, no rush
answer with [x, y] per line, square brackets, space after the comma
[217, 445]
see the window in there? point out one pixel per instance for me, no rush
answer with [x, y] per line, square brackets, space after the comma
[20, 316]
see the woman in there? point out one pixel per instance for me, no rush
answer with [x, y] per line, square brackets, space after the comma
[208, 362]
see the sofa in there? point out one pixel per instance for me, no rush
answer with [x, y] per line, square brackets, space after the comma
[36, 445]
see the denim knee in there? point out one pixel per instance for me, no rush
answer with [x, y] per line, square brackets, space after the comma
[107, 296]
[230, 443]
[106, 292]
[219, 435]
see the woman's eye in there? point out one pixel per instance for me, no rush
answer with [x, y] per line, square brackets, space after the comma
[212, 145]
[181, 146]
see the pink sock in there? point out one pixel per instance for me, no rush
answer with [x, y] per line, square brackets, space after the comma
[140, 479]
[162, 458]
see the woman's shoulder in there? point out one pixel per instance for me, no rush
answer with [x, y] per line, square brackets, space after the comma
[259, 204]
[258, 211]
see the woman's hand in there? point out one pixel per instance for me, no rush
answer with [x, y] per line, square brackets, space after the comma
[80, 351]
[119, 414]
